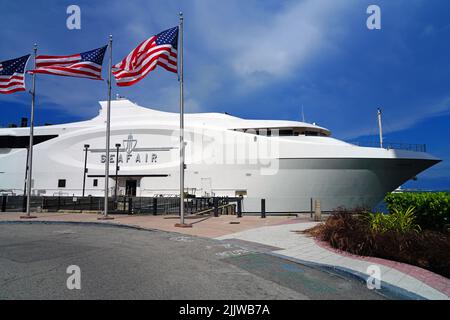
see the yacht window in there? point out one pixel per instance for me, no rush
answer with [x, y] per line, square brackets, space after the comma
[264, 132]
[95, 184]
[61, 183]
[16, 142]
[286, 133]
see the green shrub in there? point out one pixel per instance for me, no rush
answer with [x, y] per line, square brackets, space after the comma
[432, 210]
[398, 221]
[376, 221]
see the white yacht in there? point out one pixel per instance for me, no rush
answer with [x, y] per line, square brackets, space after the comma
[288, 163]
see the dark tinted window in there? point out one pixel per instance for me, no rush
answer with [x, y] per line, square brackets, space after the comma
[286, 133]
[12, 142]
[95, 182]
[61, 183]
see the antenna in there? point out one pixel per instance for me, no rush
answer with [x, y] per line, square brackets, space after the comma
[303, 115]
[380, 127]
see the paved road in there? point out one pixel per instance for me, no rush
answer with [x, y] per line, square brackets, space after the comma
[118, 263]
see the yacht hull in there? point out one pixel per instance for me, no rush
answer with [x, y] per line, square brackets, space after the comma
[347, 183]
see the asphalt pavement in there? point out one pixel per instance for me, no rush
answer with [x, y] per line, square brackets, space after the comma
[120, 263]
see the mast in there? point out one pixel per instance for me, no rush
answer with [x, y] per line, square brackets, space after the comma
[181, 123]
[182, 224]
[380, 127]
[108, 133]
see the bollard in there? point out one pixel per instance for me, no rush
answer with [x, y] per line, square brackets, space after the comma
[216, 207]
[263, 208]
[239, 208]
[3, 203]
[155, 206]
[24, 204]
[317, 211]
[130, 205]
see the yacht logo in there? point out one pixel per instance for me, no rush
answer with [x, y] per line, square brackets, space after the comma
[130, 144]
[128, 153]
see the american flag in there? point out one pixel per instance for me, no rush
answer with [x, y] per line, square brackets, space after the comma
[159, 50]
[12, 77]
[83, 65]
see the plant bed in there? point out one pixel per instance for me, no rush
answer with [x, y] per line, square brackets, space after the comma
[356, 233]
[432, 209]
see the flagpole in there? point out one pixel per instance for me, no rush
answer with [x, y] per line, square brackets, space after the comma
[108, 131]
[182, 224]
[30, 146]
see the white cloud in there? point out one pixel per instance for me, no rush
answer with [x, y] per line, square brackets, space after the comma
[267, 45]
[281, 45]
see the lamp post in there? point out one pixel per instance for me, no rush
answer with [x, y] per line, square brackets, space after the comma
[117, 171]
[31, 143]
[86, 147]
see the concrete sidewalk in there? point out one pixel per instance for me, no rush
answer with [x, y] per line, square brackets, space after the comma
[279, 234]
[408, 280]
[203, 226]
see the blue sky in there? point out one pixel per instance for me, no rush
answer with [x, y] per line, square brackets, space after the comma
[259, 59]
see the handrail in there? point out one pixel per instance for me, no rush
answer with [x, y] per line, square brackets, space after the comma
[391, 145]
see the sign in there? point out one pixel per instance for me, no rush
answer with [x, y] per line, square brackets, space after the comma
[129, 153]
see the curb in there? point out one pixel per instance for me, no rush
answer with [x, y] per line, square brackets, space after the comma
[387, 290]
[97, 224]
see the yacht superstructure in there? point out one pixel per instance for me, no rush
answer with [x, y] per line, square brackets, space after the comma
[288, 163]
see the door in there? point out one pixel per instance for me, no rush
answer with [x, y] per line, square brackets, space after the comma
[130, 188]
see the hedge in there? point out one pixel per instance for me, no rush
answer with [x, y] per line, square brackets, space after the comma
[432, 209]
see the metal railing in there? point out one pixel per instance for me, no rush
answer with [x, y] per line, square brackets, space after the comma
[392, 145]
[124, 204]
[167, 205]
